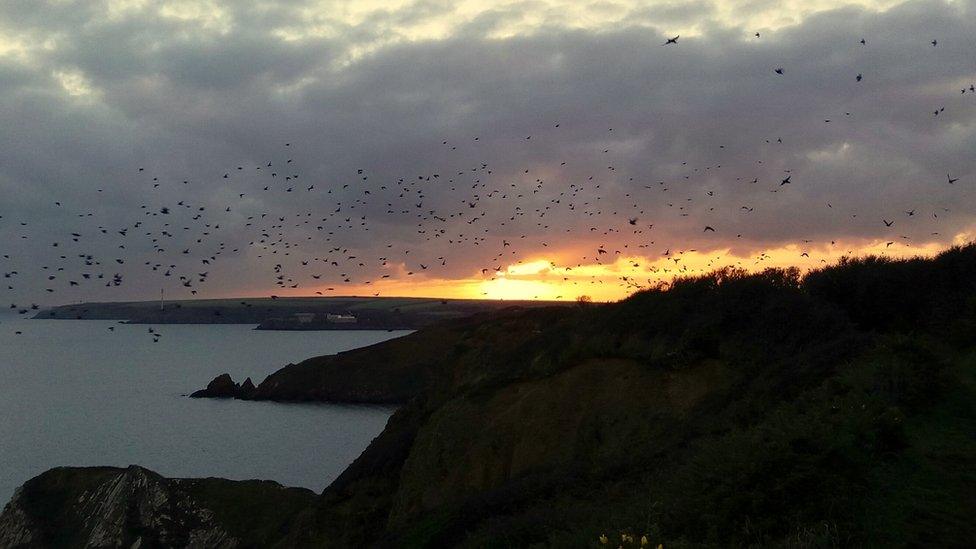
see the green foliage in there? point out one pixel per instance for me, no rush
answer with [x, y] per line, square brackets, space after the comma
[901, 295]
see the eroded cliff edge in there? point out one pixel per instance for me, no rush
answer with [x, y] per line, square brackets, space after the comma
[134, 507]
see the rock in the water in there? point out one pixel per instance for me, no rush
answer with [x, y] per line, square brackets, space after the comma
[246, 389]
[222, 386]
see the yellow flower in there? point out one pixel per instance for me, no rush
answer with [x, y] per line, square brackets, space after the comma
[644, 541]
[603, 539]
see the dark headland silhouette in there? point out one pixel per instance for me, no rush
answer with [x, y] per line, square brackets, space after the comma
[292, 313]
[731, 409]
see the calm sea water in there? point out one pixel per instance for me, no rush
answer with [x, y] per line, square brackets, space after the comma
[74, 393]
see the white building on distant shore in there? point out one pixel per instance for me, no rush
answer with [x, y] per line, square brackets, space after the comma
[340, 319]
[304, 318]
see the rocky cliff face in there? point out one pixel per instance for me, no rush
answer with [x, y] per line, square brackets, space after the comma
[134, 507]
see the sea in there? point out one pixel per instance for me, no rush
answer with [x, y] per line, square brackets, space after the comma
[74, 393]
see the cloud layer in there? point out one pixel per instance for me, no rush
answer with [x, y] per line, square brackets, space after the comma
[443, 140]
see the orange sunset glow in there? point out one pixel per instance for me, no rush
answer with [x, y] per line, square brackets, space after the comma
[542, 279]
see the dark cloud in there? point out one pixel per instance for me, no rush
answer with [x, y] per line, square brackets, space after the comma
[190, 102]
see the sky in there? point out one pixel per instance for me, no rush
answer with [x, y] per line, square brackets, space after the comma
[529, 149]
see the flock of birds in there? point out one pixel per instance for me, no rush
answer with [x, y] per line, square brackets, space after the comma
[476, 210]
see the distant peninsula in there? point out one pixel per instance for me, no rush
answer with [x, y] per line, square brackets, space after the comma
[292, 313]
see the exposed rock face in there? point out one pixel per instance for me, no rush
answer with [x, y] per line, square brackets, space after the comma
[131, 507]
[135, 507]
[16, 527]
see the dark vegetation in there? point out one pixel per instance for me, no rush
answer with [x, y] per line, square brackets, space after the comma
[770, 409]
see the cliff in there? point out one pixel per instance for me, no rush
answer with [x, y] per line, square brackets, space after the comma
[728, 410]
[134, 507]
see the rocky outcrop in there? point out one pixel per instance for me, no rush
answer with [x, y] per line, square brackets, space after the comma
[109, 508]
[246, 389]
[135, 507]
[390, 372]
[221, 386]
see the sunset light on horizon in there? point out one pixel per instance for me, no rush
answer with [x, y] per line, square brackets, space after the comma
[545, 280]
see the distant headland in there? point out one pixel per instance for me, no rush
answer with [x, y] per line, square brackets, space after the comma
[291, 313]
